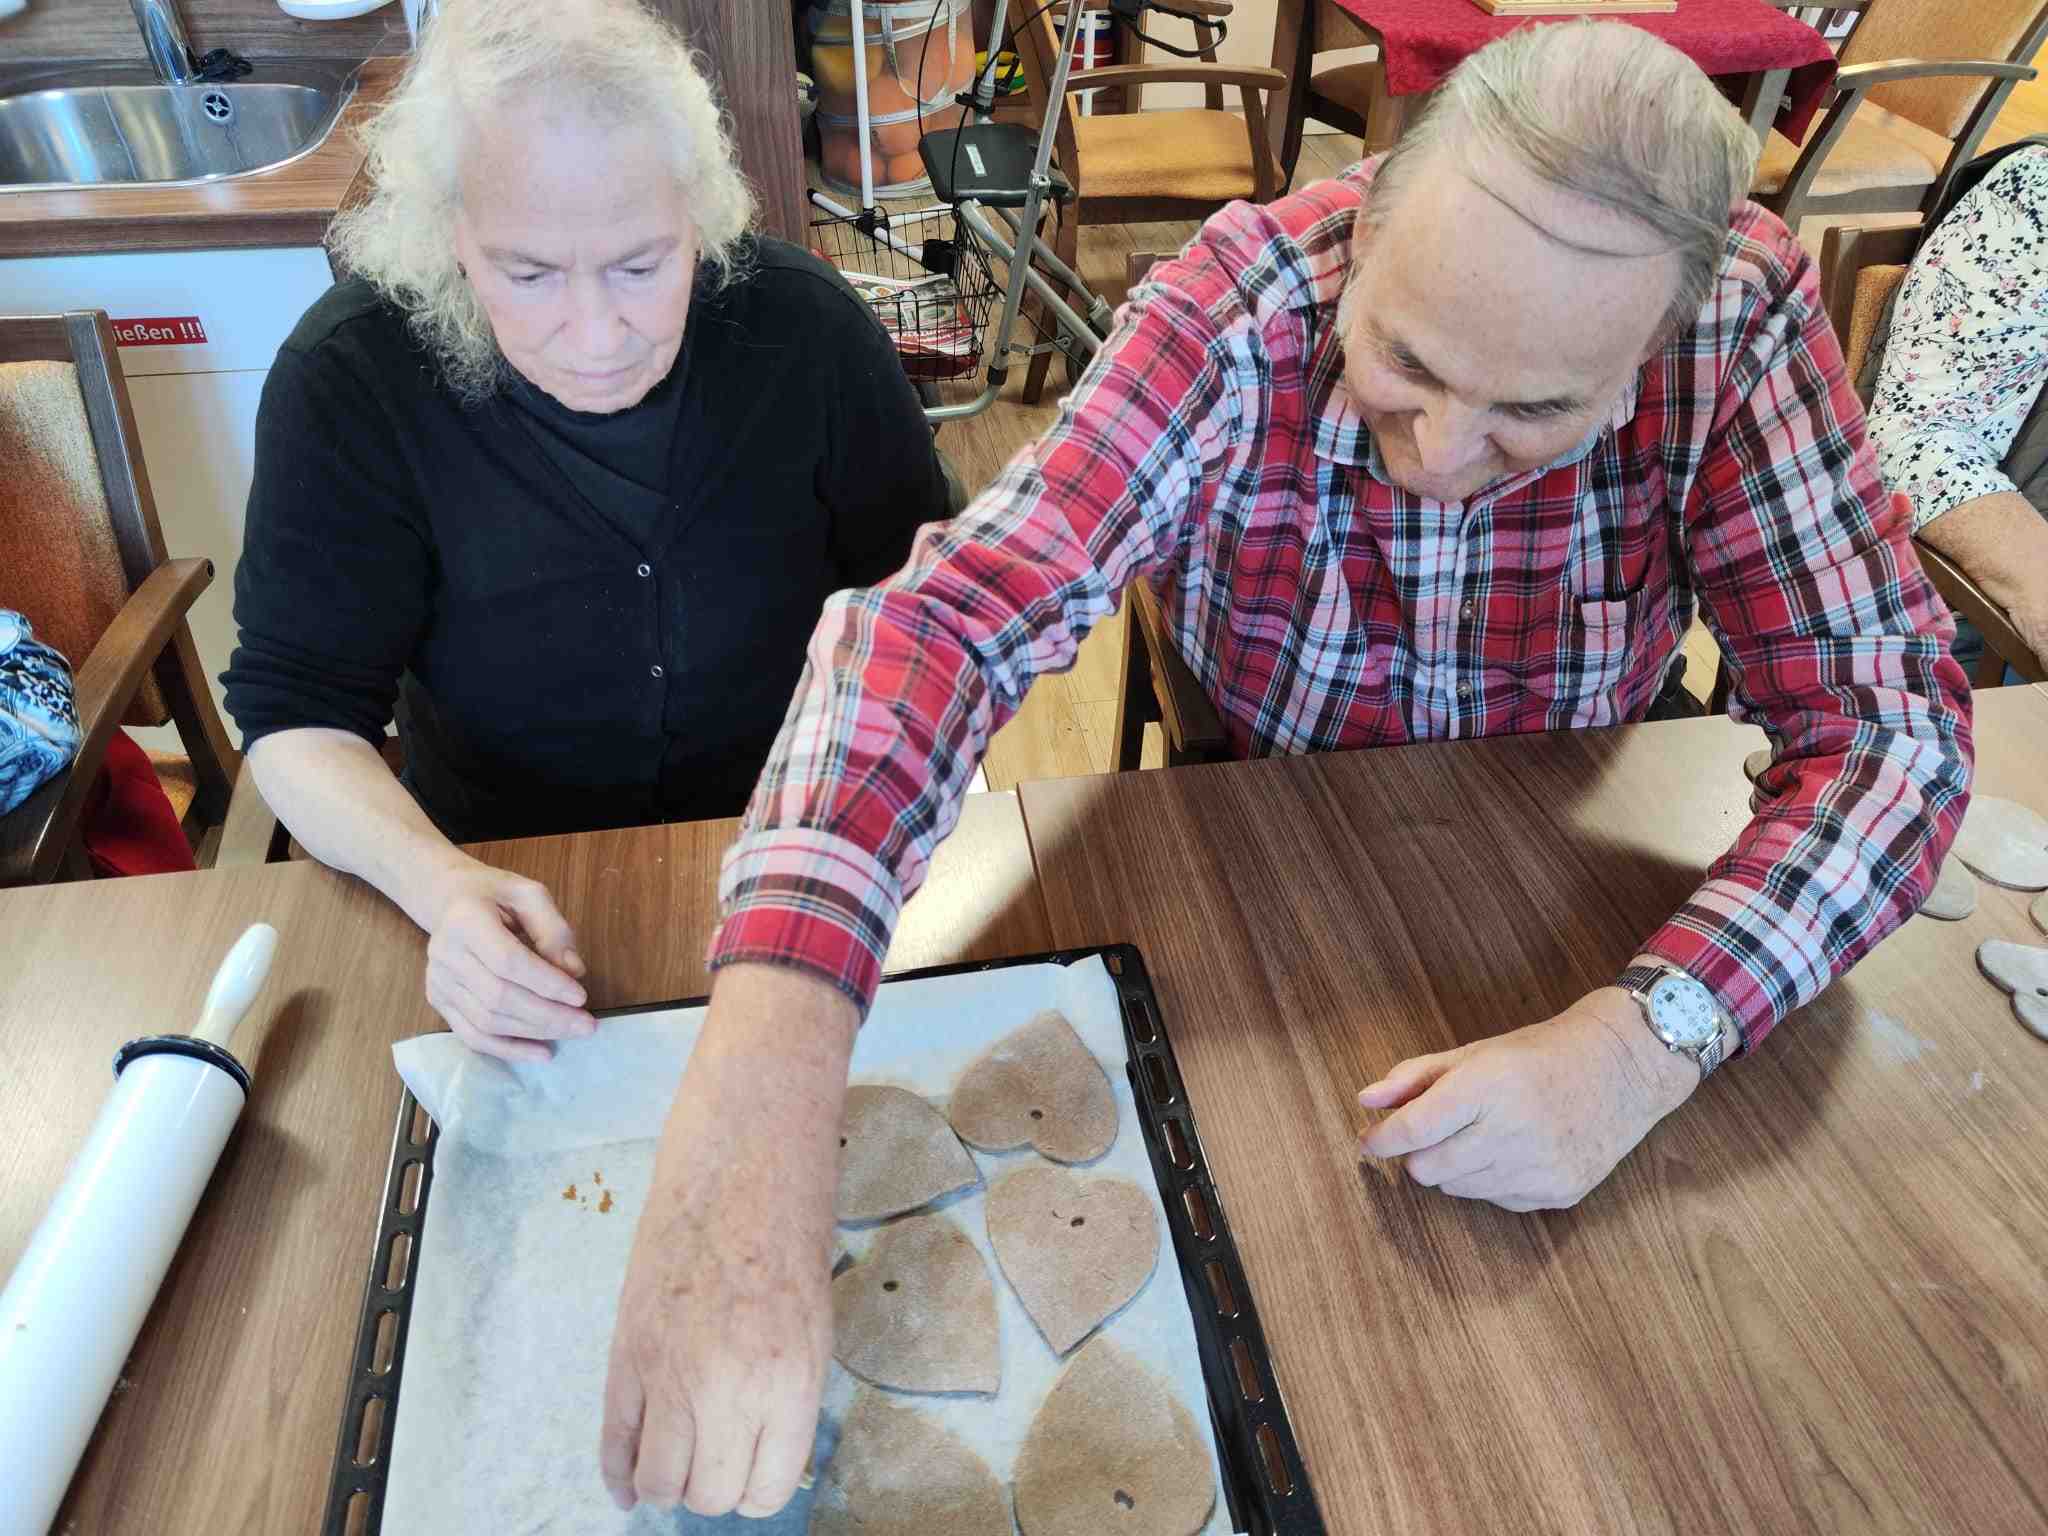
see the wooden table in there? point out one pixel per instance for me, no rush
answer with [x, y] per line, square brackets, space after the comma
[234, 1391]
[1814, 1300]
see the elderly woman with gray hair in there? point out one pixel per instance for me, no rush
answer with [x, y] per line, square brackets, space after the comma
[562, 474]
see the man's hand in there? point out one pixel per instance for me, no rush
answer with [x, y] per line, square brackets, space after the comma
[499, 995]
[725, 1323]
[1533, 1119]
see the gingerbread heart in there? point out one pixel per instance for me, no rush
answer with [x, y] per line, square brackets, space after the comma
[1074, 1249]
[1038, 1085]
[919, 1312]
[1112, 1449]
[2005, 843]
[897, 1473]
[1753, 766]
[896, 1153]
[1954, 896]
[2022, 970]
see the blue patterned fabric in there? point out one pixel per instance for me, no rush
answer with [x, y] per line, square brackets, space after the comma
[38, 721]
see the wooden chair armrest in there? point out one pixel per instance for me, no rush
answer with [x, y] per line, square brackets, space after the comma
[1845, 250]
[1186, 714]
[35, 835]
[1862, 77]
[1852, 84]
[1961, 592]
[1258, 77]
[251, 834]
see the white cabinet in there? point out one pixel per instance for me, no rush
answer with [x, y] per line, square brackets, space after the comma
[195, 405]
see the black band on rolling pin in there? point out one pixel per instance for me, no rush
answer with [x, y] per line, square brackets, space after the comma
[183, 1045]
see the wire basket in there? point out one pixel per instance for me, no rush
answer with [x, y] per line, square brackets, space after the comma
[927, 279]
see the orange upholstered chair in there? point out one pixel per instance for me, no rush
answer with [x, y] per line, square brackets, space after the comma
[1860, 271]
[82, 556]
[1921, 82]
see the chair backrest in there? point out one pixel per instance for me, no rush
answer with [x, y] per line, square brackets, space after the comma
[2009, 30]
[1038, 50]
[1860, 270]
[78, 528]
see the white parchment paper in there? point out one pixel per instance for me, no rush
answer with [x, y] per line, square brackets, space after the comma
[502, 1396]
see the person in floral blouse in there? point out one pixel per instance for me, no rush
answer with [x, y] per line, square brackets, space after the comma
[1960, 414]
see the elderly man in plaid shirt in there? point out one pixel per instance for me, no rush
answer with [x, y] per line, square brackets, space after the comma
[1452, 447]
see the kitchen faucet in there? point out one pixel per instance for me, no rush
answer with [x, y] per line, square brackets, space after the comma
[163, 34]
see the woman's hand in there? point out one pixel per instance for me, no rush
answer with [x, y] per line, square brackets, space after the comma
[502, 967]
[725, 1320]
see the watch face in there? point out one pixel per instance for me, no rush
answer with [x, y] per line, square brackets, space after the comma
[1682, 1013]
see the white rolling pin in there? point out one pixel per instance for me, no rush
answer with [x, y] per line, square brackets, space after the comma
[77, 1299]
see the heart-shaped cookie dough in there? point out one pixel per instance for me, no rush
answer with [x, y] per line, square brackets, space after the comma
[1074, 1249]
[919, 1312]
[1954, 896]
[2004, 842]
[896, 1153]
[2022, 970]
[1038, 1085]
[897, 1473]
[1753, 766]
[1113, 1449]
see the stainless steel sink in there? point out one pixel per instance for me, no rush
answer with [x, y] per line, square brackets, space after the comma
[116, 125]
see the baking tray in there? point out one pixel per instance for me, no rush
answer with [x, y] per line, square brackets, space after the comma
[1265, 1483]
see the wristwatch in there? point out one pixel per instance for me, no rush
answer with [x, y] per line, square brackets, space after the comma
[1683, 1014]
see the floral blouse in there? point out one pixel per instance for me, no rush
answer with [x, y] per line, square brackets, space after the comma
[1968, 352]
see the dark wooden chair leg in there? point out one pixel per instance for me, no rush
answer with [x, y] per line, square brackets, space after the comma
[1136, 705]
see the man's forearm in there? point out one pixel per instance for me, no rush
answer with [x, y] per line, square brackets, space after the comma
[2001, 542]
[341, 801]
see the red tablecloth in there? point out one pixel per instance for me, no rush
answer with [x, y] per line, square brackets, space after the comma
[1426, 39]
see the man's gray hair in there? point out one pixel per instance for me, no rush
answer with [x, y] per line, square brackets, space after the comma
[612, 60]
[1604, 110]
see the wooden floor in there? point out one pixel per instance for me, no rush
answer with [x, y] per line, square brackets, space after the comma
[1068, 723]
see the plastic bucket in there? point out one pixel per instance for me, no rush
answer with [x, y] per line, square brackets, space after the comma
[914, 49]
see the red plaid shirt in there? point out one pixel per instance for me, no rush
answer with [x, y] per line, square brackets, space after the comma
[1214, 451]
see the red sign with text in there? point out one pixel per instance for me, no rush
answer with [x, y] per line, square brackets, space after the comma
[160, 331]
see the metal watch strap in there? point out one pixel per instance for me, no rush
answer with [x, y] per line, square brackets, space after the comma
[1637, 981]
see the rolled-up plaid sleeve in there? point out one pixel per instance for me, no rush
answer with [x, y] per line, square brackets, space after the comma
[1839, 649]
[905, 682]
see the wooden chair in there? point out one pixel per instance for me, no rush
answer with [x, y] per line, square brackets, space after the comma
[1133, 167]
[1153, 683]
[1351, 98]
[82, 556]
[1860, 271]
[1920, 84]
